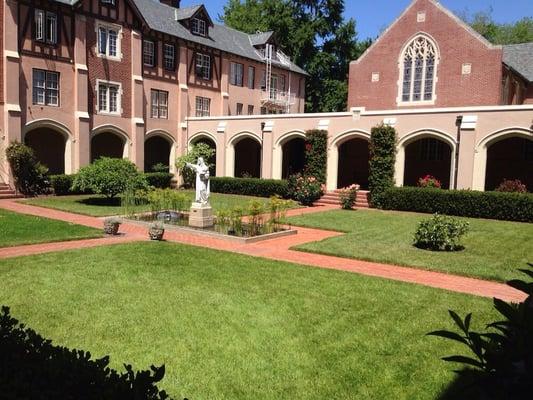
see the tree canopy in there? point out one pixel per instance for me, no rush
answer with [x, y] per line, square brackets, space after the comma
[314, 34]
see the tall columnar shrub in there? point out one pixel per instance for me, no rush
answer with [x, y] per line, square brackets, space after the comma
[316, 154]
[31, 177]
[382, 160]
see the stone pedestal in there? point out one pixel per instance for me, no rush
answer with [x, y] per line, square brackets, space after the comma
[201, 215]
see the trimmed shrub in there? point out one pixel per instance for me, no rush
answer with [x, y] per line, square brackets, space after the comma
[348, 196]
[512, 186]
[305, 189]
[160, 180]
[381, 164]
[110, 177]
[440, 233]
[250, 186]
[62, 185]
[31, 177]
[463, 203]
[316, 154]
[34, 368]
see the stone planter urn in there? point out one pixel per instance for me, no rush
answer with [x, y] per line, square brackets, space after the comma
[156, 231]
[111, 226]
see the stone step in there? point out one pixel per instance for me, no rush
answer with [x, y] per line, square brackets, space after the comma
[11, 196]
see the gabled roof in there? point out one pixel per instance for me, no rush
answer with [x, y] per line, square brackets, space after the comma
[261, 38]
[519, 57]
[188, 12]
[162, 18]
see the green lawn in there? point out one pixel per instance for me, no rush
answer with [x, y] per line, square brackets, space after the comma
[229, 326]
[493, 249]
[18, 229]
[98, 206]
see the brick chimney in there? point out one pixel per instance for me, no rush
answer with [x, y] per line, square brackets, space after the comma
[171, 3]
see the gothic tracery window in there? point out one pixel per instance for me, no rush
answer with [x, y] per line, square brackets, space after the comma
[418, 70]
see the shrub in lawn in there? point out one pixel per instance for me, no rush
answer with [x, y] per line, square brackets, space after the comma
[464, 203]
[503, 355]
[348, 196]
[305, 189]
[34, 368]
[381, 163]
[250, 186]
[512, 186]
[316, 154]
[429, 181]
[196, 151]
[31, 177]
[109, 177]
[440, 233]
[159, 180]
[61, 184]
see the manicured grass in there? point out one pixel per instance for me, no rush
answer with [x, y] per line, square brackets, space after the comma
[493, 249]
[229, 326]
[18, 229]
[99, 206]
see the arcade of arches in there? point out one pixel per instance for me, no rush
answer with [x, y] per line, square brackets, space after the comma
[247, 158]
[107, 144]
[428, 156]
[49, 147]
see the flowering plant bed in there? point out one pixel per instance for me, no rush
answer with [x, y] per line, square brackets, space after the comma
[429, 181]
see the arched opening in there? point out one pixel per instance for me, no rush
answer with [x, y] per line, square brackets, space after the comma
[247, 158]
[428, 156]
[212, 161]
[107, 144]
[49, 147]
[156, 151]
[293, 157]
[510, 158]
[353, 163]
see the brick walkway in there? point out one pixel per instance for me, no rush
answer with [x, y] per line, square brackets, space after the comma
[274, 249]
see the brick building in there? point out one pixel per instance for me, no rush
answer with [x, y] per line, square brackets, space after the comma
[81, 79]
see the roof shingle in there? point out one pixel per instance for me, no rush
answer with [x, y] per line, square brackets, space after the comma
[519, 57]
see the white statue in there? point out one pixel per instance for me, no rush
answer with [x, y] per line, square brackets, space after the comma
[202, 180]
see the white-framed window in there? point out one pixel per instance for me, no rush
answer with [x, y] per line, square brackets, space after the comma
[45, 87]
[108, 45]
[203, 105]
[45, 26]
[169, 57]
[239, 108]
[109, 97]
[418, 71]
[251, 77]
[198, 27]
[236, 74]
[108, 2]
[159, 101]
[203, 66]
[149, 53]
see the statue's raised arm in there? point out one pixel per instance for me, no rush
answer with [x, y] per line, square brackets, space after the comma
[202, 180]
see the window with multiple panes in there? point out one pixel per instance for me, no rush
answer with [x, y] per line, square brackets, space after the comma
[203, 66]
[282, 83]
[45, 26]
[418, 71]
[203, 105]
[108, 98]
[169, 57]
[250, 110]
[108, 41]
[263, 80]
[251, 77]
[149, 53]
[198, 27]
[263, 110]
[236, 74]
[159, 101]
[45, 87]
[239, 108]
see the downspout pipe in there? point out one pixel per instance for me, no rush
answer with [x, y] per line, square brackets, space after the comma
[458, 123]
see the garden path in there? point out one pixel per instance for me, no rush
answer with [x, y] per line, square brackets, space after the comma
[275, 249]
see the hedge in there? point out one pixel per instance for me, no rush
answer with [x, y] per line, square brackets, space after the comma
[381, 163]
[464, 203]
[161, 180]
[316, 154]
[250, 186]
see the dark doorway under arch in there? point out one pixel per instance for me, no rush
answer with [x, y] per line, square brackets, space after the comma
[510, 158]
[49, 148]
[156, 151]
[107, 144]
[353, 163]
[212, 161]
[247, 158]
[428, 156]
[293, 157]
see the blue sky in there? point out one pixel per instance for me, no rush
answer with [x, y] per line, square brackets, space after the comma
[372, 16]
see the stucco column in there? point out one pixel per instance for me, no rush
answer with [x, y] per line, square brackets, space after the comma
[224, 87]
[221, 154]
[332, 172]
[266, 155]
[465, 165]
[399, 166]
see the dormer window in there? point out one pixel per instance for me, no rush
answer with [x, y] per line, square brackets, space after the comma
[198, 27]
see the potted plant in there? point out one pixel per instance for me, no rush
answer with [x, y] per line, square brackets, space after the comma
[156, 231]
[111, 226]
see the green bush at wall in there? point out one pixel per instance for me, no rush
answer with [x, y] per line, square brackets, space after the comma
[382, 160]
[250, 186]
[31, 177]
[316, 154]
[464, 203]
[160, 180]
[61, 184]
